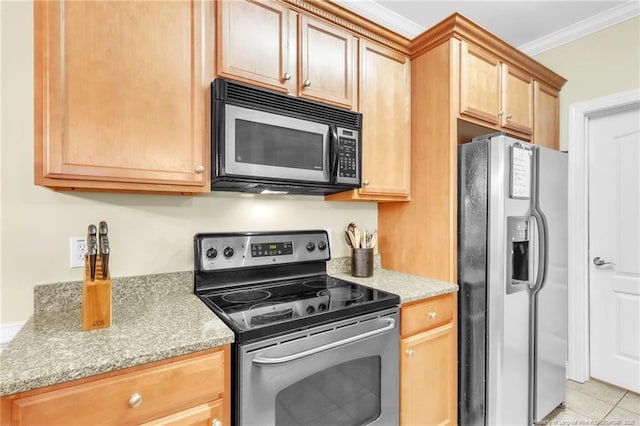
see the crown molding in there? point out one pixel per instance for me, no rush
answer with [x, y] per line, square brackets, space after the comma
[598, 22]
[379, 14]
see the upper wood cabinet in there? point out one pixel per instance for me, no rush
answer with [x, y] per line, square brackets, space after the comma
[546, 111]
[495, 92]
[327, 63]
[120, 95]
[385, 103]
[258, 42]
[462, 77]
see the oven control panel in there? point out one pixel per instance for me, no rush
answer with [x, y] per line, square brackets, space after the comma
[244, 250]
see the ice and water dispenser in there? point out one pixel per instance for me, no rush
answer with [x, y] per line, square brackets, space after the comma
[519, 248]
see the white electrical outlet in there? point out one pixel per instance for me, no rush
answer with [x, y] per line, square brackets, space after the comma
[78, 251]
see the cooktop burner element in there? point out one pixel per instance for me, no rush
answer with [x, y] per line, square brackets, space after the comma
[348, 295]
[259, 296]
[315, 284]
[246, 296]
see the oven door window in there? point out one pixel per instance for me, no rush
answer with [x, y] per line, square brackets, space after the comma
[347, 394]
[262, 144]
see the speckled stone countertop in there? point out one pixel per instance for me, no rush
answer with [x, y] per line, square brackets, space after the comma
[154, 317]
[409, 287]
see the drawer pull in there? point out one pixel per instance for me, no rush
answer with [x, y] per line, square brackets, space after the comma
[216, 422]
[409, 353]
[135, 401]
[432, 315]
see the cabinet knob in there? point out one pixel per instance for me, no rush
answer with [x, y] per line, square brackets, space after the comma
[508, 116]
[286, 76]
[500, 113]
[216, 422]
[306, 83]
[135, 400]
[199, 168]
[409, 353]
[432, 315]
[366, 183]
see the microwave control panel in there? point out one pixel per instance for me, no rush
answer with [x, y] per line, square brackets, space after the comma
[348, 157]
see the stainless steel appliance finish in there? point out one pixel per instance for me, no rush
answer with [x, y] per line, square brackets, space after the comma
[308, 347]
[268, 141]
[344, 373]
[512, 272]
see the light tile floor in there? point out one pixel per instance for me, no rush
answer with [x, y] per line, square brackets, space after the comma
[595, 402]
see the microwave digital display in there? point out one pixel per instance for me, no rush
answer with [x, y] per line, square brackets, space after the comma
[269, 145]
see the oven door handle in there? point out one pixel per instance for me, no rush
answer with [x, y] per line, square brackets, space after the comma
[260, 360]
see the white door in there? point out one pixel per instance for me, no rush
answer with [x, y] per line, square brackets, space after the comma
[614, 247]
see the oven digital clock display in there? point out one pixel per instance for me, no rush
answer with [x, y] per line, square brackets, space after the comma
[271, 249]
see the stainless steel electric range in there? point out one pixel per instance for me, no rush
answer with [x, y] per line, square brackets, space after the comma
[309, 348]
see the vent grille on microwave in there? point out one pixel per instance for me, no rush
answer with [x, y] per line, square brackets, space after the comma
[292, 106]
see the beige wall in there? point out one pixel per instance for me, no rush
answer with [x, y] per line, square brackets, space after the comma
[148, 234]
[603, 63]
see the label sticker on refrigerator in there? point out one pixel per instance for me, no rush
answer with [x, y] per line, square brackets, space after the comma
[520, 180]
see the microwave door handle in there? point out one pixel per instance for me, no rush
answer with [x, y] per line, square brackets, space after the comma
[334, 149]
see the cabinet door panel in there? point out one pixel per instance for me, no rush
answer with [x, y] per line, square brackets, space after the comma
[202, 415]
[257, 43]
[385, 85]
[480, 84]
[546, 110]
[120, 91]
[327, 62]
[517, 103]
[428, 386]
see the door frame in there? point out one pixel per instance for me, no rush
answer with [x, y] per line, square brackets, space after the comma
[578, 229]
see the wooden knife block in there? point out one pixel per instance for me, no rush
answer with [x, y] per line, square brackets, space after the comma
[96, 298]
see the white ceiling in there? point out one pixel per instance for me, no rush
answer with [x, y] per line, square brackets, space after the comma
[520, 23]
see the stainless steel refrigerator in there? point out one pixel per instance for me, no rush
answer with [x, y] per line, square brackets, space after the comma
[512, 273]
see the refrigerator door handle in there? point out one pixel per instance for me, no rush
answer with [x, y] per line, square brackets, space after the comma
[541, 225]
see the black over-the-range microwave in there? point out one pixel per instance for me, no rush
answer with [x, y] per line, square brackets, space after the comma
[268, 142]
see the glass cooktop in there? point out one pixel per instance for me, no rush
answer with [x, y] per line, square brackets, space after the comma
[270, 308]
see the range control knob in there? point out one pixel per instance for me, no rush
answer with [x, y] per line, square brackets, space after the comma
[322, 245]
[228, 252]
[310, 309]
[322, 307]
[212, 253]
[311, 246]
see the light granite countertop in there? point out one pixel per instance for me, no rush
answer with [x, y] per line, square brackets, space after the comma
[154, 317]
[409, 287]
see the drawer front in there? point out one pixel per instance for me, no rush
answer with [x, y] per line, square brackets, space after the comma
[130, 398]
[426, 315]
[211, 414]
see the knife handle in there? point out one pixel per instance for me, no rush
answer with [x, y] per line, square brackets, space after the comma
[92, 251]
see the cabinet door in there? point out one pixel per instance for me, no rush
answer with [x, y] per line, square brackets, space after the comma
[517, 100]
[428, 384]
[256, 43]
[480, 84]
[211, 414]
[120, 95]
[327, 63]
[385, 103]
[546, 110]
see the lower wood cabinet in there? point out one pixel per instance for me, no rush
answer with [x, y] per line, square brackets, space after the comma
[211, 414]
[187, 390]
[428, 362]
